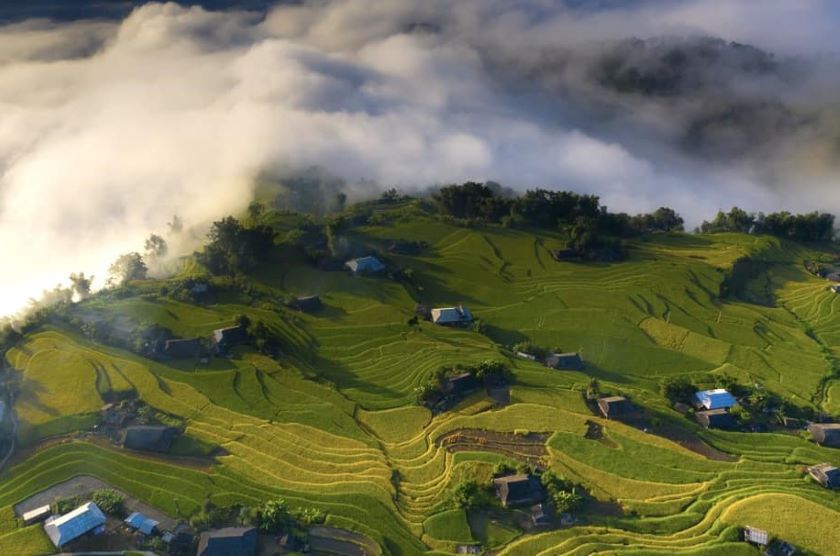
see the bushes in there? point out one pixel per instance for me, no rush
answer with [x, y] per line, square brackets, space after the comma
[678, 389]
[110, 501]
[468, 495]
[562, 493]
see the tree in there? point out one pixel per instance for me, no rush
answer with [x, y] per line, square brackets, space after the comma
[255, 210]
[80, 284]
[678, 389]
[467, 495]
[155, 246]
[129, 266]
[110, 501]
[273, 516]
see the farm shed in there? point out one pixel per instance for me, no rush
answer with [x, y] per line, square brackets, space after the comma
[63, 529]
[518, 490]
[365, 265]
[825, 474]
[756, 536]
[827, 434]
[451, 315]
[615, 406]
[230, 541]
[145, 525]
[718, 398]
[716, 419]
[182, 348]
[150, 438]
[35, 515]
[306, 304]
[571, 361]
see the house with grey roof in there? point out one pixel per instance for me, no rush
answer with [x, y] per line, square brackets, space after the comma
[716, 419]
[613, 407]
[826, 434]
[518, 490]
[230, 541]
[70, 526]
[150, 438]
[452, 316]
[569, 361]
[825, 474]
[182, 348]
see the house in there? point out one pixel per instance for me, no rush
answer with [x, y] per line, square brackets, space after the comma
[365, 265]
[150, 438]
[84, 519]
[145, 525]
[182, 349]
[461, 384]
[827, 434]
[230, 541]
[825, 474]
[835, 288]
[35, 515]
[306, 304]
[225, 338]
[180, 542]
[468, 549]
[780, 548]
[756, 536]
[518, 490]
[572, 361]
[716, 419]
[615, 406]
[451, 315]
[718, 398]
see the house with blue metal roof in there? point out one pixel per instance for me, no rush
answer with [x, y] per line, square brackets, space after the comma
[718, 398]
[365, 265]
[65, 528]
[145, 525]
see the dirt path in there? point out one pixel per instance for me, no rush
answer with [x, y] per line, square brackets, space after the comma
[529, 448]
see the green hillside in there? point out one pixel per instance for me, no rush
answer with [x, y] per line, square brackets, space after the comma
[330, 420]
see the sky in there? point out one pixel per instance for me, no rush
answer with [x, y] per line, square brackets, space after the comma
[115, 116]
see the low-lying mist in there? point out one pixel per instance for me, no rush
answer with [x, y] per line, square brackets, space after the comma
[109, 128]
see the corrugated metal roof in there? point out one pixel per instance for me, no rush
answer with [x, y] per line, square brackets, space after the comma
[715, 399]
[142, 523]
[72, 525]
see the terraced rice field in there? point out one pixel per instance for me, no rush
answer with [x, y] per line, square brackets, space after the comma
[332, 421]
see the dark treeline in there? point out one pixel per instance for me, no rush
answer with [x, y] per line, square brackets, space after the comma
[811, 226]
[592, 230]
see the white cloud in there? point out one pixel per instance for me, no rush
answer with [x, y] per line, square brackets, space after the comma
[107, 129]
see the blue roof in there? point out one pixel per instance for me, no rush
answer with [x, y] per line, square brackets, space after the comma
[69, 526]
[365, 264]
[142, 523]
[715, 399]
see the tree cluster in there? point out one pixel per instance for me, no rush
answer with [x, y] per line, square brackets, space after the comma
[590, 227]
[110, 501]
[562, 493]
[233, 248]
[811, 226]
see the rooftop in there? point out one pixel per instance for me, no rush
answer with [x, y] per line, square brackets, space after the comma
[65, 528]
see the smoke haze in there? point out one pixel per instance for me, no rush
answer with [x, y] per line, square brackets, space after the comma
[109, 126]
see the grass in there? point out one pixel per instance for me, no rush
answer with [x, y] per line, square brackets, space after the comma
[782, 515]
[332, 422]
[450, 526]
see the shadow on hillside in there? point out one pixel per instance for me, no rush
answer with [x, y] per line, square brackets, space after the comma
[604, 375]
[504, 336]
[322, 369]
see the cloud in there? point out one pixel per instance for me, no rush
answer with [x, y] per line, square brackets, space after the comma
[109, 127]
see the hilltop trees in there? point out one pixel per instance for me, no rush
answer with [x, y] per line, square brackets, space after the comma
[811, 226]
[234, 248]
[81, 284]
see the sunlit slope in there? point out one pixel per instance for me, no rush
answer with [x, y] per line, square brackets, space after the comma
[332, 421]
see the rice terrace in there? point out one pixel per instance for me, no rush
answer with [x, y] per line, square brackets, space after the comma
[337, 393]
[419, 277]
